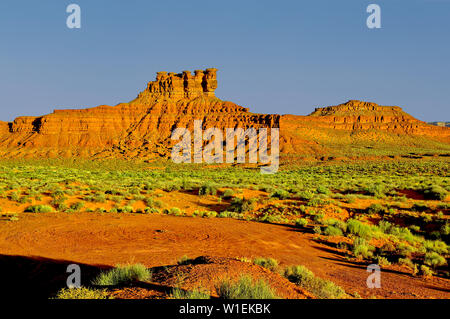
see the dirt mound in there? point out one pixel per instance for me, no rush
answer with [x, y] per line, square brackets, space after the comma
[142, 128]
[204, 273]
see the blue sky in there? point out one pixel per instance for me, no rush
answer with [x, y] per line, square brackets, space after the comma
[285, 57]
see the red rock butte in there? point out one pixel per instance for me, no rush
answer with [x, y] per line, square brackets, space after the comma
[142, 128]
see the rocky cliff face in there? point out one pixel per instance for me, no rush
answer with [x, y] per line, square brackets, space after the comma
[358, 115]
[142, 127]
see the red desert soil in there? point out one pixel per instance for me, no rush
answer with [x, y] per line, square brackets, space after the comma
[205, 273]
[156, 240]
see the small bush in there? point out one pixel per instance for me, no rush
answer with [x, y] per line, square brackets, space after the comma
[241, 205]
[39, 209]
[77, 206]
[382, 261]
[97, 198]
[82, 293]
[361, 249]
[406, 262]
[245, 288]
[332, 231]
[359, 229]
[305, 195]
[207, 189]
[376, 209]
[434, 260]
[323, 190]
[229, 193]
[123, 275]
[268, 263]
[301, 222]
[127, 209]
[321, 288]
[425, 271]
[178, 293]
[280, 193]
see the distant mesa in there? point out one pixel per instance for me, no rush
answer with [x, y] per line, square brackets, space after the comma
[142, 128]
[442, 124]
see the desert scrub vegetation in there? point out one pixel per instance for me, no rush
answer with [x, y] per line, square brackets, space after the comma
[245, 288]
[197, 293]
[123, 274]
[269, 263]
[321, 288]
[82, 293]
[10, 217]
[39, 209]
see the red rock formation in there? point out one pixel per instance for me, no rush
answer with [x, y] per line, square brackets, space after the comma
[142, 127]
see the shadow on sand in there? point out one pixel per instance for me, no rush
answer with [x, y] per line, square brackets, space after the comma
[38, 277]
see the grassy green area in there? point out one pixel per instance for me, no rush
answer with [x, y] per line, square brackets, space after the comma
[245, 288]
[82, 293]
[123, 275]
[389, 211]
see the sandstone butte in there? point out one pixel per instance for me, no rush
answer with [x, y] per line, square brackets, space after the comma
[142, 128]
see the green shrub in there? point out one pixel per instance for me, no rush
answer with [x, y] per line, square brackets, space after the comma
[359, 229]
[210, 214]
[178, 293]
[268, 263]
[121, 275]
[321, 288]
[97, 198]
[280, 193]
[316, 202]
[127, 209]
[305, 195]
[14, 196]
[323, 190]
[149, 201]
[382, 261]
[39, 209]
[229, 193]
[241, 205]
[361, 249]
[437, 246]
[377, 190]
[332, 231]
[425, 271]
[406, 262]
[376, 209]
[301, 222]
[434, 260]
[82, 293]
[77, 206]
[245, 288]
[207, 189]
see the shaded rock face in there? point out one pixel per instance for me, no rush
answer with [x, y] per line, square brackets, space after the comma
[142, 128]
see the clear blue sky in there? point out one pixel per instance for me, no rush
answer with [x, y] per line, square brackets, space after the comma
[273, 56]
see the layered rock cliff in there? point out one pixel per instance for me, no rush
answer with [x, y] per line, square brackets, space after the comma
[142, 127]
